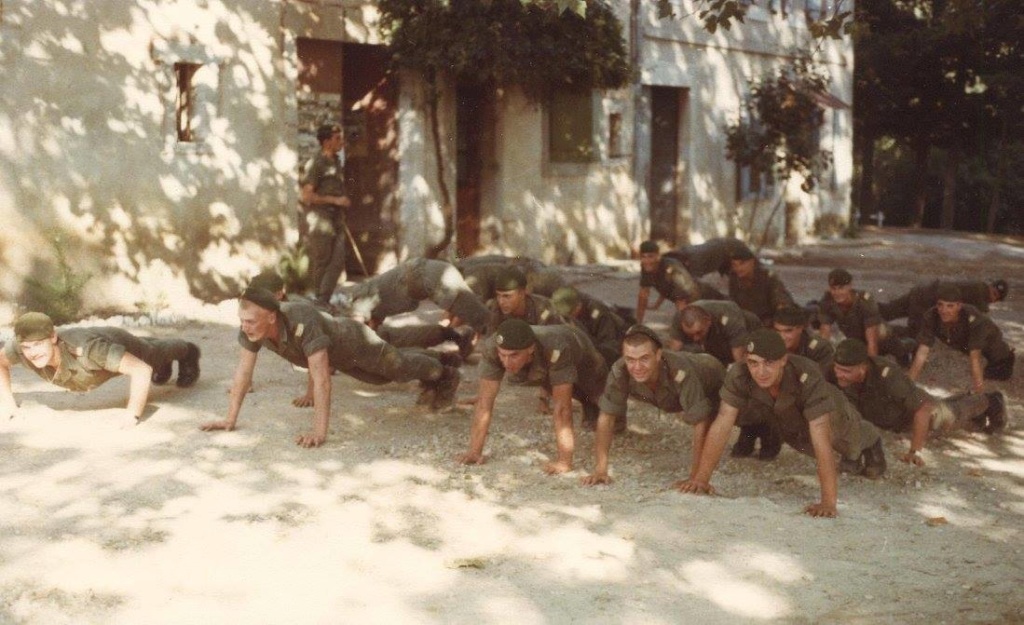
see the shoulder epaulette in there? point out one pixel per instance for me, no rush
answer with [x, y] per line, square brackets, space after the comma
[885, 372]
[594, 314]
[299, 329]
[544, 315]
[803, 377]
[680, 376]
[725, 320]
[554, 355]
[813, 344]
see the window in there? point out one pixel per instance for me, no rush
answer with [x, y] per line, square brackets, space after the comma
[571, 128]
[615, 135]
[750, 185]
[817, 10]
[185, 105]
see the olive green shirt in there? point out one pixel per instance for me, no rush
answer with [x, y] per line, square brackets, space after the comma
[539, 312]
[762, 295]
[729, 328]
[804, 396]
[887, 397]
[853, 321]
[817, 349]
[687, 383]
[972, 330]
[672, 280]
[88, 357]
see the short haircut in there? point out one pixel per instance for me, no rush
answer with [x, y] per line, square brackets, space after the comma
[692, 315]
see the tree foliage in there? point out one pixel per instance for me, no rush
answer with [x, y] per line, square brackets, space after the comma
[778, 134]
[715, 14]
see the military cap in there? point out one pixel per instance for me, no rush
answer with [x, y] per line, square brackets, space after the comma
[514, 334]
[642, 330]
[949, 293]
[649, 247]
[790, 315]
[269, 280]
[565, 300]
[33, 326]
[839, 277]
[741, 253]
[262, 298]
[326, 131]
[766, 343]
[510, 278]
[1002, 287]
[851, 352]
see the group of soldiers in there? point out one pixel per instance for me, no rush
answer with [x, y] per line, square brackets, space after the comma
[823, 396]
[823, 378]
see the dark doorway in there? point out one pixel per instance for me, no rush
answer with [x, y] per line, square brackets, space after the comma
[665, 185]
[472, 125]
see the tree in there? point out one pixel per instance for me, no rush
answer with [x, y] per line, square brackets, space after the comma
[778, 136]
[536, 46]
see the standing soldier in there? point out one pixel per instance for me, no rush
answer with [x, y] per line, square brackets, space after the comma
[511, 301]
[668, 276]
[675, 382]
[297, 332]
[856, 314]
[325, 201]
[560, 359]
[813, 417]
[80, 359]
[603, 325]
[755, 288]
[915, 303]
[964, 328]
[885, 395]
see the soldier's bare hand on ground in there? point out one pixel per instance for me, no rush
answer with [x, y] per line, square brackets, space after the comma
[911, 457]
[303, 401]
[820, 510]
[309, 440]
[555, 468]
[694, 487]
[595, 479]
[128, 421]
[470, 458]
[212, 426]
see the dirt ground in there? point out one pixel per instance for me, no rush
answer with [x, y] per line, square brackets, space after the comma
[163, 523]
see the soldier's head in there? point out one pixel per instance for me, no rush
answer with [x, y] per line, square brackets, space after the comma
[650, 256]
[510, 291]
[257, 314]
[641, 350]
[269, 280]
[949, 302]
[567, 303]
[742, 262]
[695, 322]
[766, 358]
[851, 362]
[331, 138]
[997, 290]
[37, 339]
[840, 286]
[790, 321]
[516, 344]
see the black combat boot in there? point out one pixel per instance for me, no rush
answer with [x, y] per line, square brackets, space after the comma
[771, 442]
[874, 461]
[188, 367]
[996, 413]
[162, 373]
[744, 446]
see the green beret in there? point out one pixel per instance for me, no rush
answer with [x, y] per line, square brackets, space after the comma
[33, 326]
[649, 247]
[509, 279]
[949, 293]
[642, 330]
[790, 315]
[766, 343]
[514, 334]
[839, 277]
[1002, 287]
[565, 300]
[269, 280]
[851, 352]
[741, 253]
[262, 298]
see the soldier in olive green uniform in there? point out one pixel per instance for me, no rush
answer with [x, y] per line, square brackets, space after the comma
[325, 201]
[603, 325]
[674, 382]
[964, 328]
[755, 288]
[719, 328]
[668, 276]
[791, 324]
[80, 359]
[915, 303]
[812, 416]
[560, 358]
[304, 337]
[885, 395]
[712, 255]
[511, 301]
[856, 314]
[481, 273]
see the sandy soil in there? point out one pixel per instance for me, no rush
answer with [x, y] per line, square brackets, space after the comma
[162, 523]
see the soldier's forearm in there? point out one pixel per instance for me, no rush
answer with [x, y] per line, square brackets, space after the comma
[603, 436]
